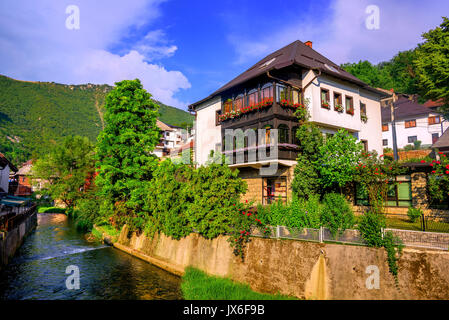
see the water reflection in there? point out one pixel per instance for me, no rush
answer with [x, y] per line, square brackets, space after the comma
[38, 269]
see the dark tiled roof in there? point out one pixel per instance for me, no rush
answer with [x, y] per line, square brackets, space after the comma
[4, 162]
[404, 108]
[442, 141]
[295, 53]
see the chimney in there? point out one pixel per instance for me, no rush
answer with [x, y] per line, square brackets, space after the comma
[308, 43]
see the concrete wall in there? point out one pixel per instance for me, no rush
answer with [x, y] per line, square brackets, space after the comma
[303, 269]
[12, 240]
[4, 178]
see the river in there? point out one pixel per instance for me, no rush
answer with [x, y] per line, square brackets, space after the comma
[38, 270]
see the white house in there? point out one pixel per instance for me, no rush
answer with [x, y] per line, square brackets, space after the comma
[292, 76]
[413, 122]
[5, 168]
[172, 138]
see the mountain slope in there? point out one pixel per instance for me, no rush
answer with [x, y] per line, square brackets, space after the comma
[34, 115]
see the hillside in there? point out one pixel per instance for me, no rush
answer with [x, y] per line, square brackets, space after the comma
[36, 114]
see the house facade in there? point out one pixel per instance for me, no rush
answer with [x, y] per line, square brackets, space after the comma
[261, 102]
[6, 168]
[413, 122]
[172, 138]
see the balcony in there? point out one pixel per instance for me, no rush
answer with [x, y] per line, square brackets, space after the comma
[257, 156]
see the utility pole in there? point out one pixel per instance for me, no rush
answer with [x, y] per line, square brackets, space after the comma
[393, 128]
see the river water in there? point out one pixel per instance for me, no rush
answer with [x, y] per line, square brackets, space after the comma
[38, 270]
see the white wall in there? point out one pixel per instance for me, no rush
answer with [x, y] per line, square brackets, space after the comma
[208, 135]
[4, 178]
[332, 120]
[423, 131]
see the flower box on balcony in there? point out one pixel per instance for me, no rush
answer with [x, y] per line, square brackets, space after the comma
[325, 105]
[364, 118]
[350, 111]
[338, 107]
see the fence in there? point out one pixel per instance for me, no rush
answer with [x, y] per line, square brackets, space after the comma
[410, 238]
[11, 220]
[428, 222]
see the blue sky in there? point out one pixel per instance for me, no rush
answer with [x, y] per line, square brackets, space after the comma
[184, 50]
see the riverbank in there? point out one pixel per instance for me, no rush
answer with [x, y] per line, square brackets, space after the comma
[306, 270]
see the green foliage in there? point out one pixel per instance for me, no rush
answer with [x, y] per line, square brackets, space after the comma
[438, 180]
[432, 65]
[370, 228]
[197, 285]
[65, 168]
[375, 175]
[337, 159]
[399, 73]
[124, 146]
[34, 116]
[414, 214]
[51, 210]
[337, 214]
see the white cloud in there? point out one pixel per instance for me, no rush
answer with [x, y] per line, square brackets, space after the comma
[36, 45]
[343, 36]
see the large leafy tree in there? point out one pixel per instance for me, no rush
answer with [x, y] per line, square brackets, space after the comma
[432, 65]
[65, 169]
[124, 148]
[337, 159]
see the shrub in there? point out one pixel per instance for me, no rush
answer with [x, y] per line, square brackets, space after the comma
[370, 228]
[414, 214]
[337, 214]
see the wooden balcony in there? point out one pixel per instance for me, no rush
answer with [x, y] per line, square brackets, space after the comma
[286, 152]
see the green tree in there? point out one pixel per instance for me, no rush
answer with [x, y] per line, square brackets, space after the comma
[124, 148]
[337, 159]
[65, 168]
[432, 65]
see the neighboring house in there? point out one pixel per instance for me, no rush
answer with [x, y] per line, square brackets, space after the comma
[442, 144]
[299, 74]
[21, 184]
[6, 167]
[172, 137]
[414, 121]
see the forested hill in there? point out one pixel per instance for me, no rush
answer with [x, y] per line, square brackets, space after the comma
[34, 115]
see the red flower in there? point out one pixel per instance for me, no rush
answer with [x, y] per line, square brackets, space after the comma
[434, 171]
[447, 171]
[423, 161]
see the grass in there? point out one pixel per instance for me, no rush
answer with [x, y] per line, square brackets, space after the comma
[50, 210]
[197, 285]
[405, 224]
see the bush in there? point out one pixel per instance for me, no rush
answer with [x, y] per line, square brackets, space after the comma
[414, 214]
[337, 214]
[370, 228]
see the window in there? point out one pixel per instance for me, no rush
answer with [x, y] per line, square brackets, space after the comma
[274, 189]
[295, 139]
[410, 123]
[283, 133]
[217, 117]
[267, 139]
[385, 127]
[435, 137]
[228, 106]
[399, 195]
[238, 103]
[267, 91]
[365, 145]
[385, 142]
[349, 102]
[338, 104]
[325, 98]
[362, 109]
[295, 96]
[434, 120]
[252, 98]
[281, 93]
[412, 139]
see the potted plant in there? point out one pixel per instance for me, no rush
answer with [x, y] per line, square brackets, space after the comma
[364, 117]
[338, 107]
[325, 104]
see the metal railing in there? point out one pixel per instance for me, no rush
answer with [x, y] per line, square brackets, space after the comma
[410, 238]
